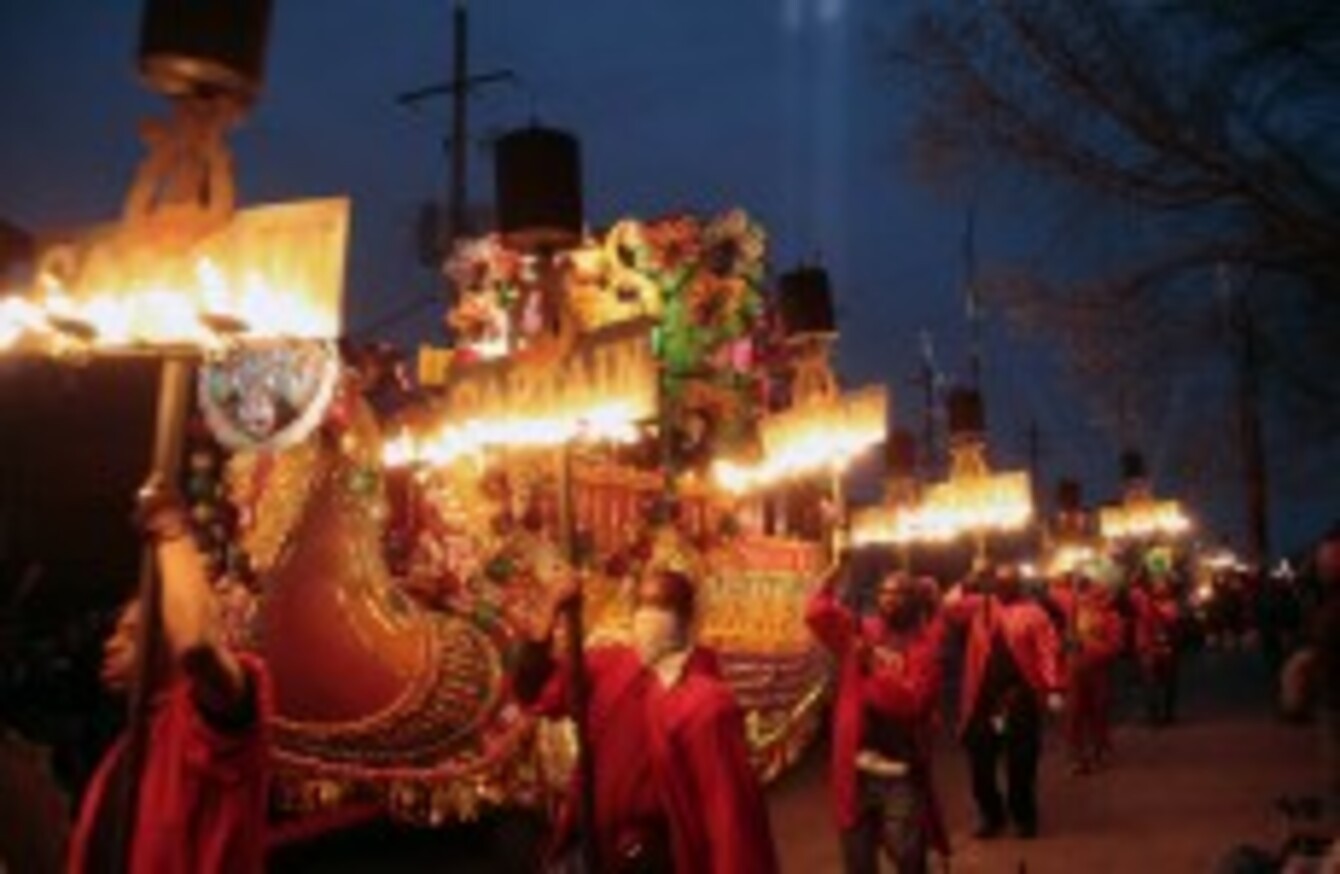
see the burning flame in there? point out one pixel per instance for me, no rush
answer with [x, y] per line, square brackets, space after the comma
[899, 526]
[459, 440]
[973, 499]
[275, 271]
[1071, 557]
[990, 502]
[142, 313]
[826, 435]
[400, 451]
[19, 319]
[1142, 517]
[1222, 560]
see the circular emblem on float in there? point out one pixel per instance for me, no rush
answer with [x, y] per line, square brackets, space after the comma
[268, 394]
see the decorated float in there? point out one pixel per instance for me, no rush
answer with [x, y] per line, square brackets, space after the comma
[636, 399]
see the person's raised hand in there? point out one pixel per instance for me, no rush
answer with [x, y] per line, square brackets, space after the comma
[842, 545]
[184, 597]
[186, 600]
[565, 592]
[160, 513]
[953, 596]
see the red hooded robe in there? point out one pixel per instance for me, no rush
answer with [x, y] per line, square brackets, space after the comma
[693, 734]
[1156, 618]
[1029, 635]
[905, 691]
[202, 796]
[1094, 636]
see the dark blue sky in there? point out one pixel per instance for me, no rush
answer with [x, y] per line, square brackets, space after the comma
[780, 106]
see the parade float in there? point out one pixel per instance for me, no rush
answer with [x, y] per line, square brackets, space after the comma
[636, 399]
[385, 563]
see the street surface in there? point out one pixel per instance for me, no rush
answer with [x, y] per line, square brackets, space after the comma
[1174, 799]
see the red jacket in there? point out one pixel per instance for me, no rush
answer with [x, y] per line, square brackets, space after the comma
[1092, 628]
[904, 690]
[202, 797]
[1155, 623]
[699, 758]
[1029, 634]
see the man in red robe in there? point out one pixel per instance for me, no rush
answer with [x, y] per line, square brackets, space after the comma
[201, 805]
[1092, 631]
[1011, 669]
[883, 724]
[674, 789]
[1157, 613]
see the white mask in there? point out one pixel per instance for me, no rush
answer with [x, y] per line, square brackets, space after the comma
[656, 632]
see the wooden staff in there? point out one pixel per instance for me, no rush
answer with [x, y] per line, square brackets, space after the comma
[838, 535]
[579, 690]
[174, 391]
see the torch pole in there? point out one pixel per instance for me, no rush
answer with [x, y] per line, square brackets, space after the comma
[174, 390]
[839, 498]
[979, 547]
[579, 688]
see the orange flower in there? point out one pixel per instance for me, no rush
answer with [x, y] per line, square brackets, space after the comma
[712, 296]
[674, 242]
[733, 244]
[483, 263]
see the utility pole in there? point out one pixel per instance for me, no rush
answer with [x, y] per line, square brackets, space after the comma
[1251, 432]
[459, 102]
[1034, 450]
[972, 300]
[925, 381]
[1035, 478]
[461, 86]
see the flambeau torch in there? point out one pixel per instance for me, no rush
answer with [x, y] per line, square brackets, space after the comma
[184, 275]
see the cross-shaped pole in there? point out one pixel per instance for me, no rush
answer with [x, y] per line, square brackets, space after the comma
[460, 86]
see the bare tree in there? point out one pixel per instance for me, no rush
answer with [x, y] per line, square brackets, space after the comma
[1205, 134]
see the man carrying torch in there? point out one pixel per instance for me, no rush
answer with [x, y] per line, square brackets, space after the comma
[201, 800]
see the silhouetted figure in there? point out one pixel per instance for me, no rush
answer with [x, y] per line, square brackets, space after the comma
[1158, 614]
[1011, 669]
